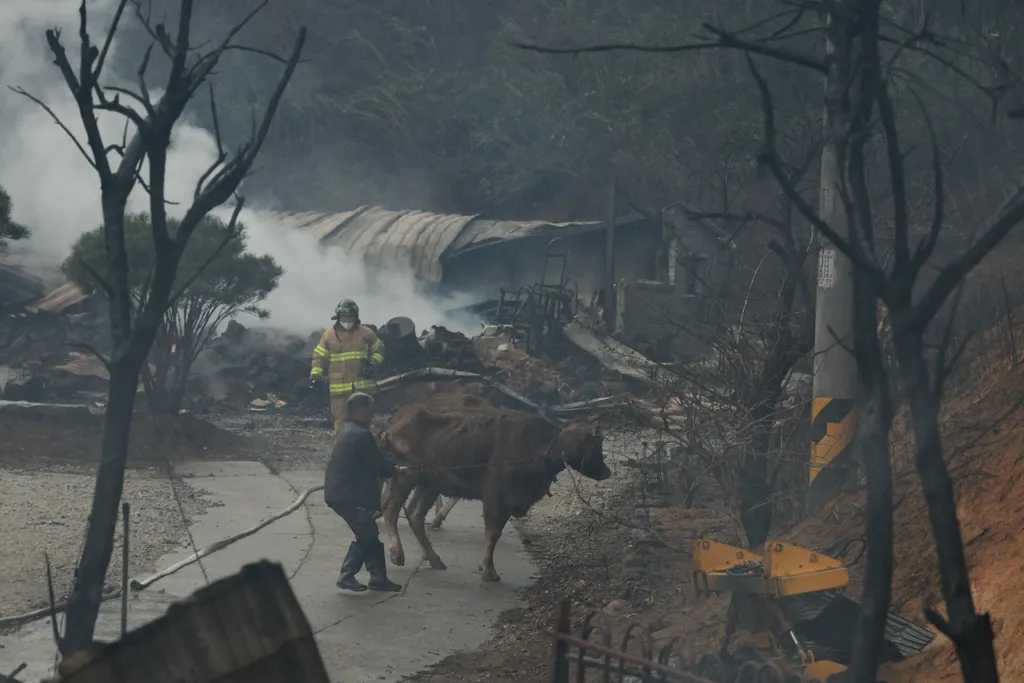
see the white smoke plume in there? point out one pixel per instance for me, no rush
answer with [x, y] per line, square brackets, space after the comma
[55, 191]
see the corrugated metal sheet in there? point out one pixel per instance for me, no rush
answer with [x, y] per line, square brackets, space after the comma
[481, 232]
[413, 240]
[9, 375]
[835, 629]
[84, 364]
[17, 286]
[59, 299]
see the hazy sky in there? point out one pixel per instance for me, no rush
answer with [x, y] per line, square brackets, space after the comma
[56, 193]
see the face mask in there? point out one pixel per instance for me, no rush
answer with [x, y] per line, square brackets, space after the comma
[348, 325]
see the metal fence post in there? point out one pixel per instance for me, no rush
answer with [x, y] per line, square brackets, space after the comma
[560, 648]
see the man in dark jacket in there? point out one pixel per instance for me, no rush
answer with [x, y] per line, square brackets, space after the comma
[352, 489]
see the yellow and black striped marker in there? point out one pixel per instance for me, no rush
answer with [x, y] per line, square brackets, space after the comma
[833, 424]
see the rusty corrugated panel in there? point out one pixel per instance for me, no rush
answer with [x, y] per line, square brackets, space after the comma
[413, 240]
[396, 240]
[480, 232]
[409, 241]
[327, 224]
[440, 241]
[84, 364]
[59, 299]
[292, 220]
[364, 234]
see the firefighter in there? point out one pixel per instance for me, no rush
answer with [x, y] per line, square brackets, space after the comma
[350, 354]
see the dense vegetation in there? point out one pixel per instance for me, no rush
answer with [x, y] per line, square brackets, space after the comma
[430, 105]
[9, 228]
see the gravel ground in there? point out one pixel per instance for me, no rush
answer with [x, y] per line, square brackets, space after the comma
[44, 513]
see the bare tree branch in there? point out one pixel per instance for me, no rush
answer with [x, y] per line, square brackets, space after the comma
[724, 40]
[927, 246]
[232, 233]
[1008, 217]
[56, 119]
[109, 39]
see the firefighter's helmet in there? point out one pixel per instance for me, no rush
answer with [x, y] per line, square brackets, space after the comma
[346, 307]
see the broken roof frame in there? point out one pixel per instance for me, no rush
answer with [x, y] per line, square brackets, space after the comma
[419, 240]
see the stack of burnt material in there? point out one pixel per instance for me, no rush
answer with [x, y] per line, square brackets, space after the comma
[436, 347]
[572, 379]
[244, 365]
[45, 357]
[452, 350]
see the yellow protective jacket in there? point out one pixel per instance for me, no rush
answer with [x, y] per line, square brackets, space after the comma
[343, 354]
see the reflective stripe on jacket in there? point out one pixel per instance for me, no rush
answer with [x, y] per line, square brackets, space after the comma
[342, 354]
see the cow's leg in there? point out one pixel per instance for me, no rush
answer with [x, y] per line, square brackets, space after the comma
[395, 494]
[419, 505]
[406, 509]
[495, 518]
[441, 512]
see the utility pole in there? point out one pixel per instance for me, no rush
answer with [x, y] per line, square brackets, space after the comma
[833, 409]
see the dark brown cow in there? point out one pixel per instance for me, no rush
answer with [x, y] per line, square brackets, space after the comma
[507, 459]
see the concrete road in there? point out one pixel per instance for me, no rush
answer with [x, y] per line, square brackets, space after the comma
[363, 636]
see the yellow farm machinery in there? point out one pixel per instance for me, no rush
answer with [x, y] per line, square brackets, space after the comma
[792, 603]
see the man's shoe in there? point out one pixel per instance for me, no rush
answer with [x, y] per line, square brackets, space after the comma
[385, 584]
[350, 566]
[373, 551]
[350, 583]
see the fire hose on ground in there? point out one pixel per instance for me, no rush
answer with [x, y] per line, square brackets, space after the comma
[141, 584]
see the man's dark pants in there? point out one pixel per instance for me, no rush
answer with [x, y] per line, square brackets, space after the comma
[367, 547]
[362, 524]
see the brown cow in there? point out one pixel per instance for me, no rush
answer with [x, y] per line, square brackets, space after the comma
[442, 509]
[506, 458]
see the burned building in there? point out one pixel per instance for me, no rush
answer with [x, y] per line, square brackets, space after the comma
[663, 271]
[678, 311]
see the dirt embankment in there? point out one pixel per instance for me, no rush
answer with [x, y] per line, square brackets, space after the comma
[36, 438]
[47, 469]
[984, 440]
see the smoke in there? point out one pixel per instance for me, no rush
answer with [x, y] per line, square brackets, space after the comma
[56, 193]
[315, 280]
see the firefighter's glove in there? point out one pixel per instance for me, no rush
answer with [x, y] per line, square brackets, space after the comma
[314, 382]
[370, 371]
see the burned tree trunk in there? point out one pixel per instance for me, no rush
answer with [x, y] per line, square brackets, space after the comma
[970, 632]
[133, 331]
[756, 487]
[872, 450]
[86, 595]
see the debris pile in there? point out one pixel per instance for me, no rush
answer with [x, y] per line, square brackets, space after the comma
[47, 356]
[436, 347]
[246, 366]
[574, 378]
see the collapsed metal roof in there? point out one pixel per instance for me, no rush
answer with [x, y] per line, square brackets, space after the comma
[416, 240]
[17, 285]
[63, 297]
